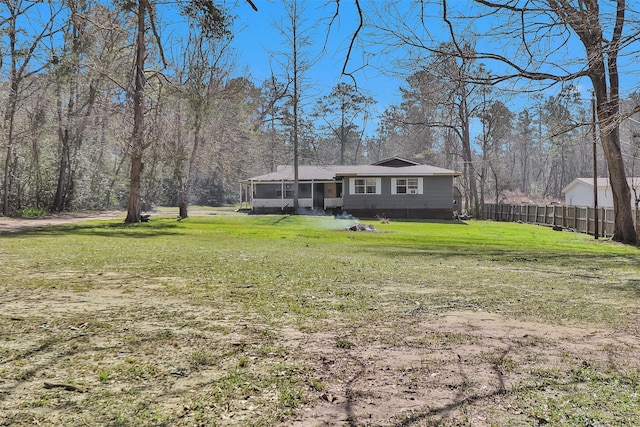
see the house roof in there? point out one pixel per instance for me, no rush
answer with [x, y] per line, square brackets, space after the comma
[394, 161]
[329, 173]
[600, 182]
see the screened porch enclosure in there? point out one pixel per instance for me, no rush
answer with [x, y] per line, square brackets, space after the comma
[314, 195]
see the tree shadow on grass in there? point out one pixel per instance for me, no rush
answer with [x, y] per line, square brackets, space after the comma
[104, 229]
[510, 256]
[630, 285]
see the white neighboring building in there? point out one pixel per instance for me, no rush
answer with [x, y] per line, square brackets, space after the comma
[580, 192]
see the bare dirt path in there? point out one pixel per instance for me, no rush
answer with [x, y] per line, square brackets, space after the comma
[8, 224]
[12, 224]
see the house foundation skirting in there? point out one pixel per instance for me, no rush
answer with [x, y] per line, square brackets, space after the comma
[445, 214]
[302, 210]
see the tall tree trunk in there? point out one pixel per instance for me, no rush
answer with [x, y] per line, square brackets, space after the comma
[185, 185]
[624, 230]
[473, 206]
[65, 153]
[343, 138]
[180, 169]
[9, 123]
[137, 138]
[296, 104]
[67, 136]
[9, 115]
[608, 109]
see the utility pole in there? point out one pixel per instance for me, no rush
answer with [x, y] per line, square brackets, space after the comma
[595, 168]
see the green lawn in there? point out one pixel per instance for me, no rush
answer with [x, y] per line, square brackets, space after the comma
[220, 296]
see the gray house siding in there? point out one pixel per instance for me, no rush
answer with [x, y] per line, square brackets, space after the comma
[436, 202]
[439, 190]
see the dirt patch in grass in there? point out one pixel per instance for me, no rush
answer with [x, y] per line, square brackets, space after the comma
[141, 357]
[464, 368]
[8, 224]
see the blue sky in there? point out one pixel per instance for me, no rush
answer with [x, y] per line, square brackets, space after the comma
[259, 35]
[256, 35]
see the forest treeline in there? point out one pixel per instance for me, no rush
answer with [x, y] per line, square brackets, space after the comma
[67, 87]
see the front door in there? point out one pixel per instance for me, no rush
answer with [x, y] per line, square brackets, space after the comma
[318, 196]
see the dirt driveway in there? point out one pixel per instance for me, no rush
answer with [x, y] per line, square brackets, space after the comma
[12, 224]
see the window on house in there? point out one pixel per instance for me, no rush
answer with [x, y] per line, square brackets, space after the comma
[365, 186]
[407, 186]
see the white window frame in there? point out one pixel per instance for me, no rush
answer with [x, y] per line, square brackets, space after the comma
[417, 186]
[369, 185]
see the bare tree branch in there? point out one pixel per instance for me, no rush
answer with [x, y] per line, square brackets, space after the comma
[354, 37]
[152, 22]
[253, 6]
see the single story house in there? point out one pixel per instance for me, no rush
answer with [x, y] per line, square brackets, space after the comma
[394, 188]
[580, 192]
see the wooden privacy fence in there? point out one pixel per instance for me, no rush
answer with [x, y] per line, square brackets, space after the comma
[579, 218]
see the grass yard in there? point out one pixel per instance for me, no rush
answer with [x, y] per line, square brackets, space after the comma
[235, 320]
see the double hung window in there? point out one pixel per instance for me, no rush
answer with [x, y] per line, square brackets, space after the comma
[409, 185]
[365, 186]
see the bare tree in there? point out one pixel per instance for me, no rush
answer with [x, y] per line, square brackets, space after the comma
[75, 100]
[23, 63]
[494, 142]
[600, 29]
[138, 144]
[296, 62]
[207, 69]
[342, 110]
[446, 95]
[558, 119]
[213, 23]
[273, 149]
